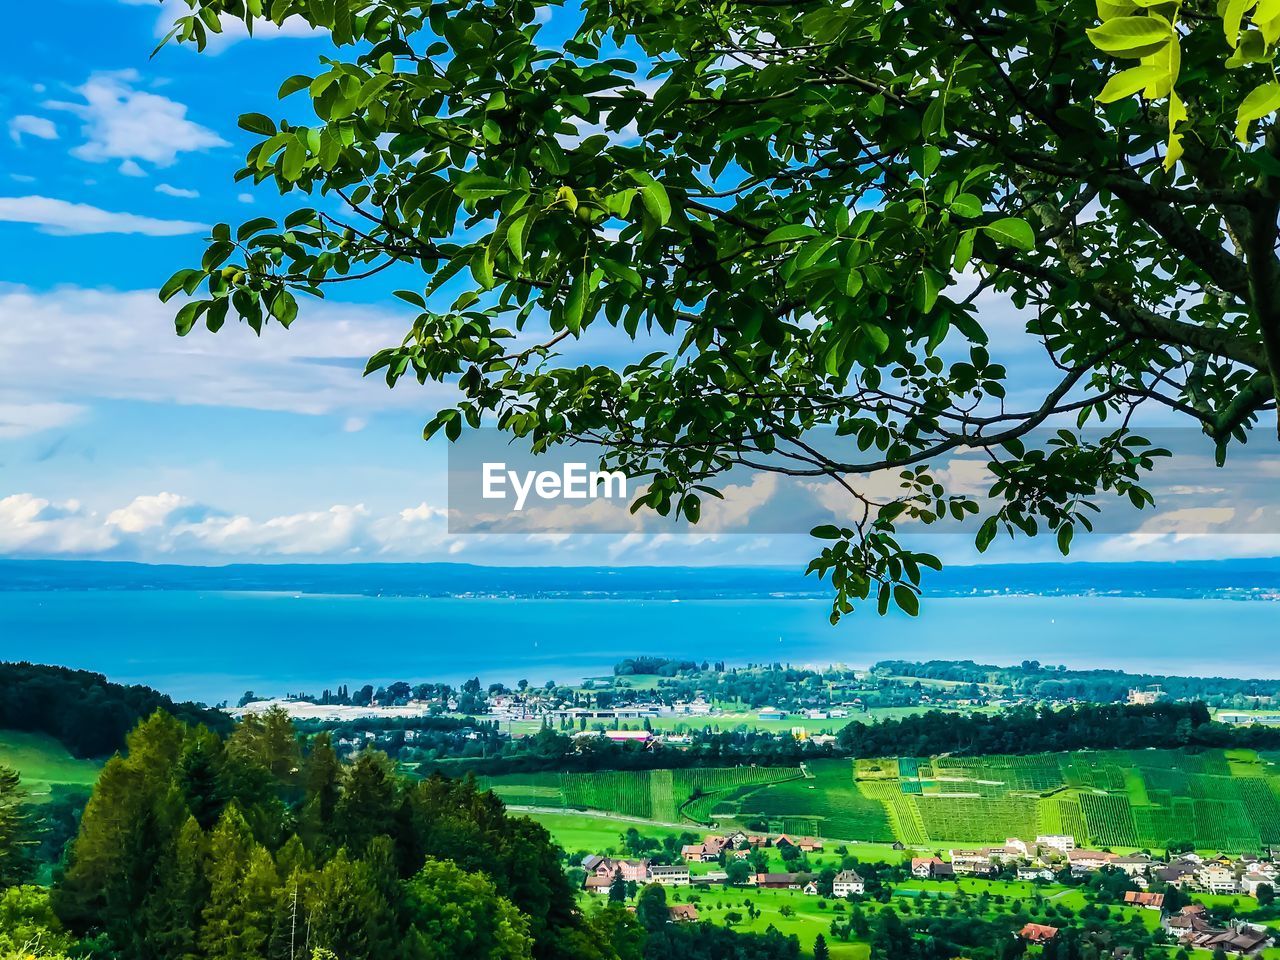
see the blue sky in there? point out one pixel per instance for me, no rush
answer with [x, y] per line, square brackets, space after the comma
[120, 440]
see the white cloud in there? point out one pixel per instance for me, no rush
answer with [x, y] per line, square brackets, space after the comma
[171, 526]
[172, 191]
[146, 512]
[23, 419]
[123, 123]
[125, 348]
[322, 532]
[130, 168]
[245, 197]
[423, 512]
[233, 29]
[27, 125]
[354, 424]
[64, 218]
[1190, 521]
[31, 525]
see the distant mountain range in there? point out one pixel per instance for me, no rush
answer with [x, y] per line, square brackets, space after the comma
[1227, 579]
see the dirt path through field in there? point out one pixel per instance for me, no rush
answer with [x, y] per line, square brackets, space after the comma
[601, 815]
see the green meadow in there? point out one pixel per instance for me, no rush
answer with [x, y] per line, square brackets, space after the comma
[595, 833]
[44, 763]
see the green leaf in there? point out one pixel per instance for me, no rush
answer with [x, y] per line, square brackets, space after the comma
[284, 308]
[482, 267]
[1231, 17]
[928, 285]
[966, 205]
[906, 599]
[879, 339]
[293, 85]
[257, 123]
[1132, 37]
[827, 531]
[1011, 232]
[515, 232]
[793, 231]
[188, 315]
[177, 282]
[477, 186]
[256, 225]
[1128, 82]
[1263, 100]
[656, 202]
[1110, 9]
[692, 509]
[575, 304]
[986, 533]
[295, 154]
[964, 249]
[373, 88]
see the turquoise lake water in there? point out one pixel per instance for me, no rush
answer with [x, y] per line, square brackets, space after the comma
[214, 646]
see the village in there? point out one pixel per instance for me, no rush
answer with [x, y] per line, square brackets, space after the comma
[1163, 886]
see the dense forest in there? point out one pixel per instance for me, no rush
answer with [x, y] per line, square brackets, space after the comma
[87, 712]
[1040, 730]
[240, 848]
[1033, 679]
[263, 845]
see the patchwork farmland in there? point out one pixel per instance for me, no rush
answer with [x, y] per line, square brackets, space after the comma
[663, 795]
[1214, 799]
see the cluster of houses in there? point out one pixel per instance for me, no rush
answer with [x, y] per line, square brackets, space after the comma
[602, 872]
[1192, 929]
[741, 844]
[1190, 926]
[1047, 856]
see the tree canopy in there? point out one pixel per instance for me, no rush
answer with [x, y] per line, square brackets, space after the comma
[797, 209]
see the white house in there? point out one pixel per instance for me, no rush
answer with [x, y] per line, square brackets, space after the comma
[1217, 878]
[1133, 865]
[676, 875]
[1250, 882]
[847, 882]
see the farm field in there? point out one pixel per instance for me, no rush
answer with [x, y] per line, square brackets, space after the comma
[44, 763]
[667, 796]
[825, 803]
[1220, 801]
[1115, 799]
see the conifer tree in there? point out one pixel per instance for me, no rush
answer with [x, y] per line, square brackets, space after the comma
[321, 782]
[199, 778]
[347, 912]
[15, 830]
[236, 917]
[368, 803]
[171, 916]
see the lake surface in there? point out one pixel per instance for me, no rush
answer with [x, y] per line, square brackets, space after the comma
[214, 646]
